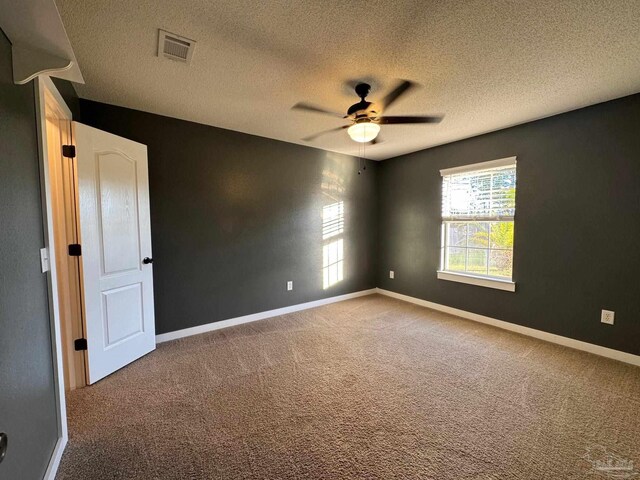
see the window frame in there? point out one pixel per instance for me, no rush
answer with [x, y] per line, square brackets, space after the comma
[466, 277]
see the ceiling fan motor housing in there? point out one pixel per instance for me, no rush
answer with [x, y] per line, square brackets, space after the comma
[362, 106]
[362, 90]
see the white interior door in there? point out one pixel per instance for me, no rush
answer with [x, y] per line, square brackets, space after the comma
[115, 234]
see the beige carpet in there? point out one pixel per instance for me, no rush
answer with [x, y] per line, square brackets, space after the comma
[371, 388]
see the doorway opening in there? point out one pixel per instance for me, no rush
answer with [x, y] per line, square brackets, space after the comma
[97, 253]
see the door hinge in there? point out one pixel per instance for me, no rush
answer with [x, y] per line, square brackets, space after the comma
[80, 344]
[75, 250]
[69, 151]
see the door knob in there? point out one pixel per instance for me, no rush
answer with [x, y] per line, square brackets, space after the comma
[3, 445]
[147, 260]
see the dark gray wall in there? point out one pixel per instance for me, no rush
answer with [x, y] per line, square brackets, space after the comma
[69, 95]
[27, 394]
[234, 216]
[577, 224]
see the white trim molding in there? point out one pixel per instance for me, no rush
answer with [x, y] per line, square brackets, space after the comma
[43, 84]
[498, 284]
[530, 332]
[231, 322]
[39, 41]
[54, 462]
[28, 63]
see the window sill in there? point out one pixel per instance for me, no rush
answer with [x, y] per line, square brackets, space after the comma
[477, 280]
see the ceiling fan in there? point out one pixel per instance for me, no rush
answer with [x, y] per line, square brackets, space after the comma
[366, 117]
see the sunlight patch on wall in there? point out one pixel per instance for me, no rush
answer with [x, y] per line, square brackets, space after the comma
[332, 220]
[332, 263]
[333, 251]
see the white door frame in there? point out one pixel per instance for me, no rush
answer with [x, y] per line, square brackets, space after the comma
[65, 215]
[43, 83]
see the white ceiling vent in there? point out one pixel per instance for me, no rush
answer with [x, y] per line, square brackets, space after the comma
[175, 47]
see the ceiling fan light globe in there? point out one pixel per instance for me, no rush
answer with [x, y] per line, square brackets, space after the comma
[363, 132]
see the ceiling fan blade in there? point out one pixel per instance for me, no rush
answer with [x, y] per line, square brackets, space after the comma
[312, 108]
[399, 90]
[386, 120]
[313, 137]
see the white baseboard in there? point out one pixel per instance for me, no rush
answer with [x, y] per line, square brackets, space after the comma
[54, 462]
[530, 332]
[187, 332]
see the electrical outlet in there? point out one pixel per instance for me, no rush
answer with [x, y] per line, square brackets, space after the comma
[607, 317]
[289, 285]
[392, 274]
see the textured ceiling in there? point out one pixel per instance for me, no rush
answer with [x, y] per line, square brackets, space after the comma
[484, 64]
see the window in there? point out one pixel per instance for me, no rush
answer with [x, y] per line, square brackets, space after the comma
[478, 210]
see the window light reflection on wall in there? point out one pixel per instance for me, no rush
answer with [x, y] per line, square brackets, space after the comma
[333, 250]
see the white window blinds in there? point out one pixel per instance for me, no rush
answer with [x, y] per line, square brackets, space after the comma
[484, 191]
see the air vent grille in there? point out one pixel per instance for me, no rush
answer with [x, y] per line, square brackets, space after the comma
[175, 47]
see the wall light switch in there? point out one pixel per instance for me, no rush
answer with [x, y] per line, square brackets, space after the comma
[289, 286]
[607, 317]
[392, 274]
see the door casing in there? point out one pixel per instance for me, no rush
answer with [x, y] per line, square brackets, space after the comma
[65, 214]
[43, 84]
